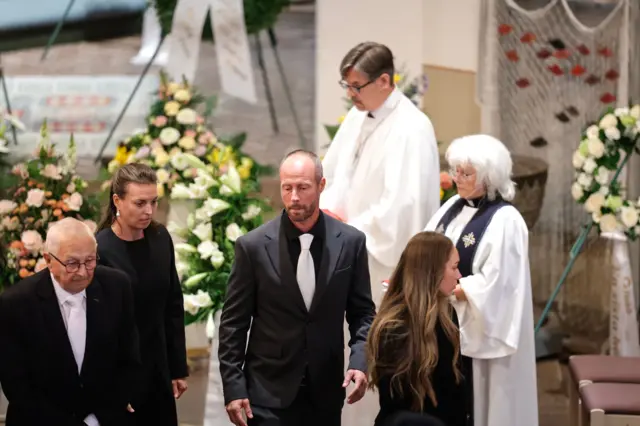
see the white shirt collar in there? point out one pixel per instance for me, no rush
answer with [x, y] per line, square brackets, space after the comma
[62, 294]
[388, 105]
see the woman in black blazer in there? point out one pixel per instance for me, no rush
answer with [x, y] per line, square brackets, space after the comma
[130, 240]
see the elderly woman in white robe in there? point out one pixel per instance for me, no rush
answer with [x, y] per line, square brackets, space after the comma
[492, 301]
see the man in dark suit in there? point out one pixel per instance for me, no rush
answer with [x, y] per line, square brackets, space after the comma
[69, 345]
[295, 277]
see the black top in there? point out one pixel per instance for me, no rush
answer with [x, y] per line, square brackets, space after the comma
[158, 300]
[450, 396]
[293, 241]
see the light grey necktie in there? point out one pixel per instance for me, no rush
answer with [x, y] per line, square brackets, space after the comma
[306, 273]
[77, 327]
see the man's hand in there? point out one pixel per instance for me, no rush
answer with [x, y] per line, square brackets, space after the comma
[130, 408]
[179, 387]
[234, 411]
[459, 293]
[361, 382]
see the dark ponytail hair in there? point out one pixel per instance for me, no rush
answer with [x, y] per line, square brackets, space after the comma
[129, 173]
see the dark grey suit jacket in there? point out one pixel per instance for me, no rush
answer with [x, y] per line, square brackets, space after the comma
[286, 340]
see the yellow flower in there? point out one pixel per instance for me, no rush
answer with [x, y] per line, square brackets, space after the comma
[171, 108]
[441, 193]
[161, 157]
[172, 88]
[246, 162]
[341, 119]
[160, 190]
[122, 153]
[221, 156]
[131, 158]
[396, 78]
[182, 95]
[187, 142]
[244, 172]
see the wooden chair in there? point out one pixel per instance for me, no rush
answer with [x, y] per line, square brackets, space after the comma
[610, 404]
[587, 369]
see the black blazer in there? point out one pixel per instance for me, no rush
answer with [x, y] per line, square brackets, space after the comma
[37, 369]
[286, 340]
[159, 307]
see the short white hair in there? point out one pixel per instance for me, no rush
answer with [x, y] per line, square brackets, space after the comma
[490, 158]
[63, 230]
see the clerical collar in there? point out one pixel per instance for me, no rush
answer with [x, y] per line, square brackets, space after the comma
[480, 201]
[387, 106]
[293, 233]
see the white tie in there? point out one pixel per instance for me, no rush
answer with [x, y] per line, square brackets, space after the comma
[306, 273]
[77, 327]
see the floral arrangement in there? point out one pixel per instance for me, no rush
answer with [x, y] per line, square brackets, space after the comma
[605, 148]
[413, 89]
[44, 189]
[226, 209]
[447, 187]
[8, 127]
[174, 127]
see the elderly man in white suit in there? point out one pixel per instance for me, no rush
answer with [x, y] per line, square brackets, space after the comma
[382, 171]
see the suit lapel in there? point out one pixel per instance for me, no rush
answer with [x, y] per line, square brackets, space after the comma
[278, 254]
[53, 320]
[94, 324]
[331, 251]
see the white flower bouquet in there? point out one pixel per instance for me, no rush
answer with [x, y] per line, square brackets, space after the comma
[43, 190]
[226, 210]
[605, 149]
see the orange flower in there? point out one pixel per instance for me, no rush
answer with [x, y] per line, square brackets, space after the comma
[52, 203]
[57, 212]
[24, 208]
[40, 185]
[445, 181]
[65, 196]
[48, 194]
[24, 263]
[18, 245]
[24, 273]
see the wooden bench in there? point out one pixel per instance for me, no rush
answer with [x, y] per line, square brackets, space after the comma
[610, 404]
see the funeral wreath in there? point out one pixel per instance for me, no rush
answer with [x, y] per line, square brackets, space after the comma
[604, 150]
[44, 189]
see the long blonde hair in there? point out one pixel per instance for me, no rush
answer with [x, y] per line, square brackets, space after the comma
[407, 319]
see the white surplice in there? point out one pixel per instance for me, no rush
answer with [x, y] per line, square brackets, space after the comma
[389, 193]
[496, 322]
[393, 189]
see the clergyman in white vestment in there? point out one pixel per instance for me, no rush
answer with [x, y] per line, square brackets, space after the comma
[383, 173]
[493, 299]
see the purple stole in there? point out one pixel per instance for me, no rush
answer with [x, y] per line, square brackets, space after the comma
[467, 246]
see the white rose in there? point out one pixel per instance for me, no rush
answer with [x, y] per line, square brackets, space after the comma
[206, 249]
[604, 190]
[577, 160]
[608, 223]
[182, 95]
[217, 259]
[635, 112]
[7, 206]
[593, 132]
[169, 135]
[203, 231]
[186, 116]
[179, 161]
[10, 224]
[585, 180]
[602, 177]
[619, 112]
[576, 191]
[596, 147]
[51, 171]
[596, 216]
[71, 188]
[629, 216]
[32, 241]
[608, 121]
[594, 203]
[35, 198]
[74, 201]
[612, 133]
[589, 165]
[233, 232]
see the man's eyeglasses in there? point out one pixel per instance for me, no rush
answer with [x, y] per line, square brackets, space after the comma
[73, 266]
[356, 89]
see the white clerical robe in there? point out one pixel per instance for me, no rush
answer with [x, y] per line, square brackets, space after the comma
[496, 322]
[393, 188]
[389, 193]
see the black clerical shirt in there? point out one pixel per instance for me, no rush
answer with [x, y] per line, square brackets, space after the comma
[293, 241]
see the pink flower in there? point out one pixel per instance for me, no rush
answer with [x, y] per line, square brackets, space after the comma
[190, 133]
[204, 138]
[160, 121]
[199, 120]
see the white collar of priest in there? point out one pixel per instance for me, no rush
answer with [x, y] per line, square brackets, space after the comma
[477, 202]
[387, 106]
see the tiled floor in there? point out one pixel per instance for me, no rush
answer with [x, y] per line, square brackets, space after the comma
[297, 44]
